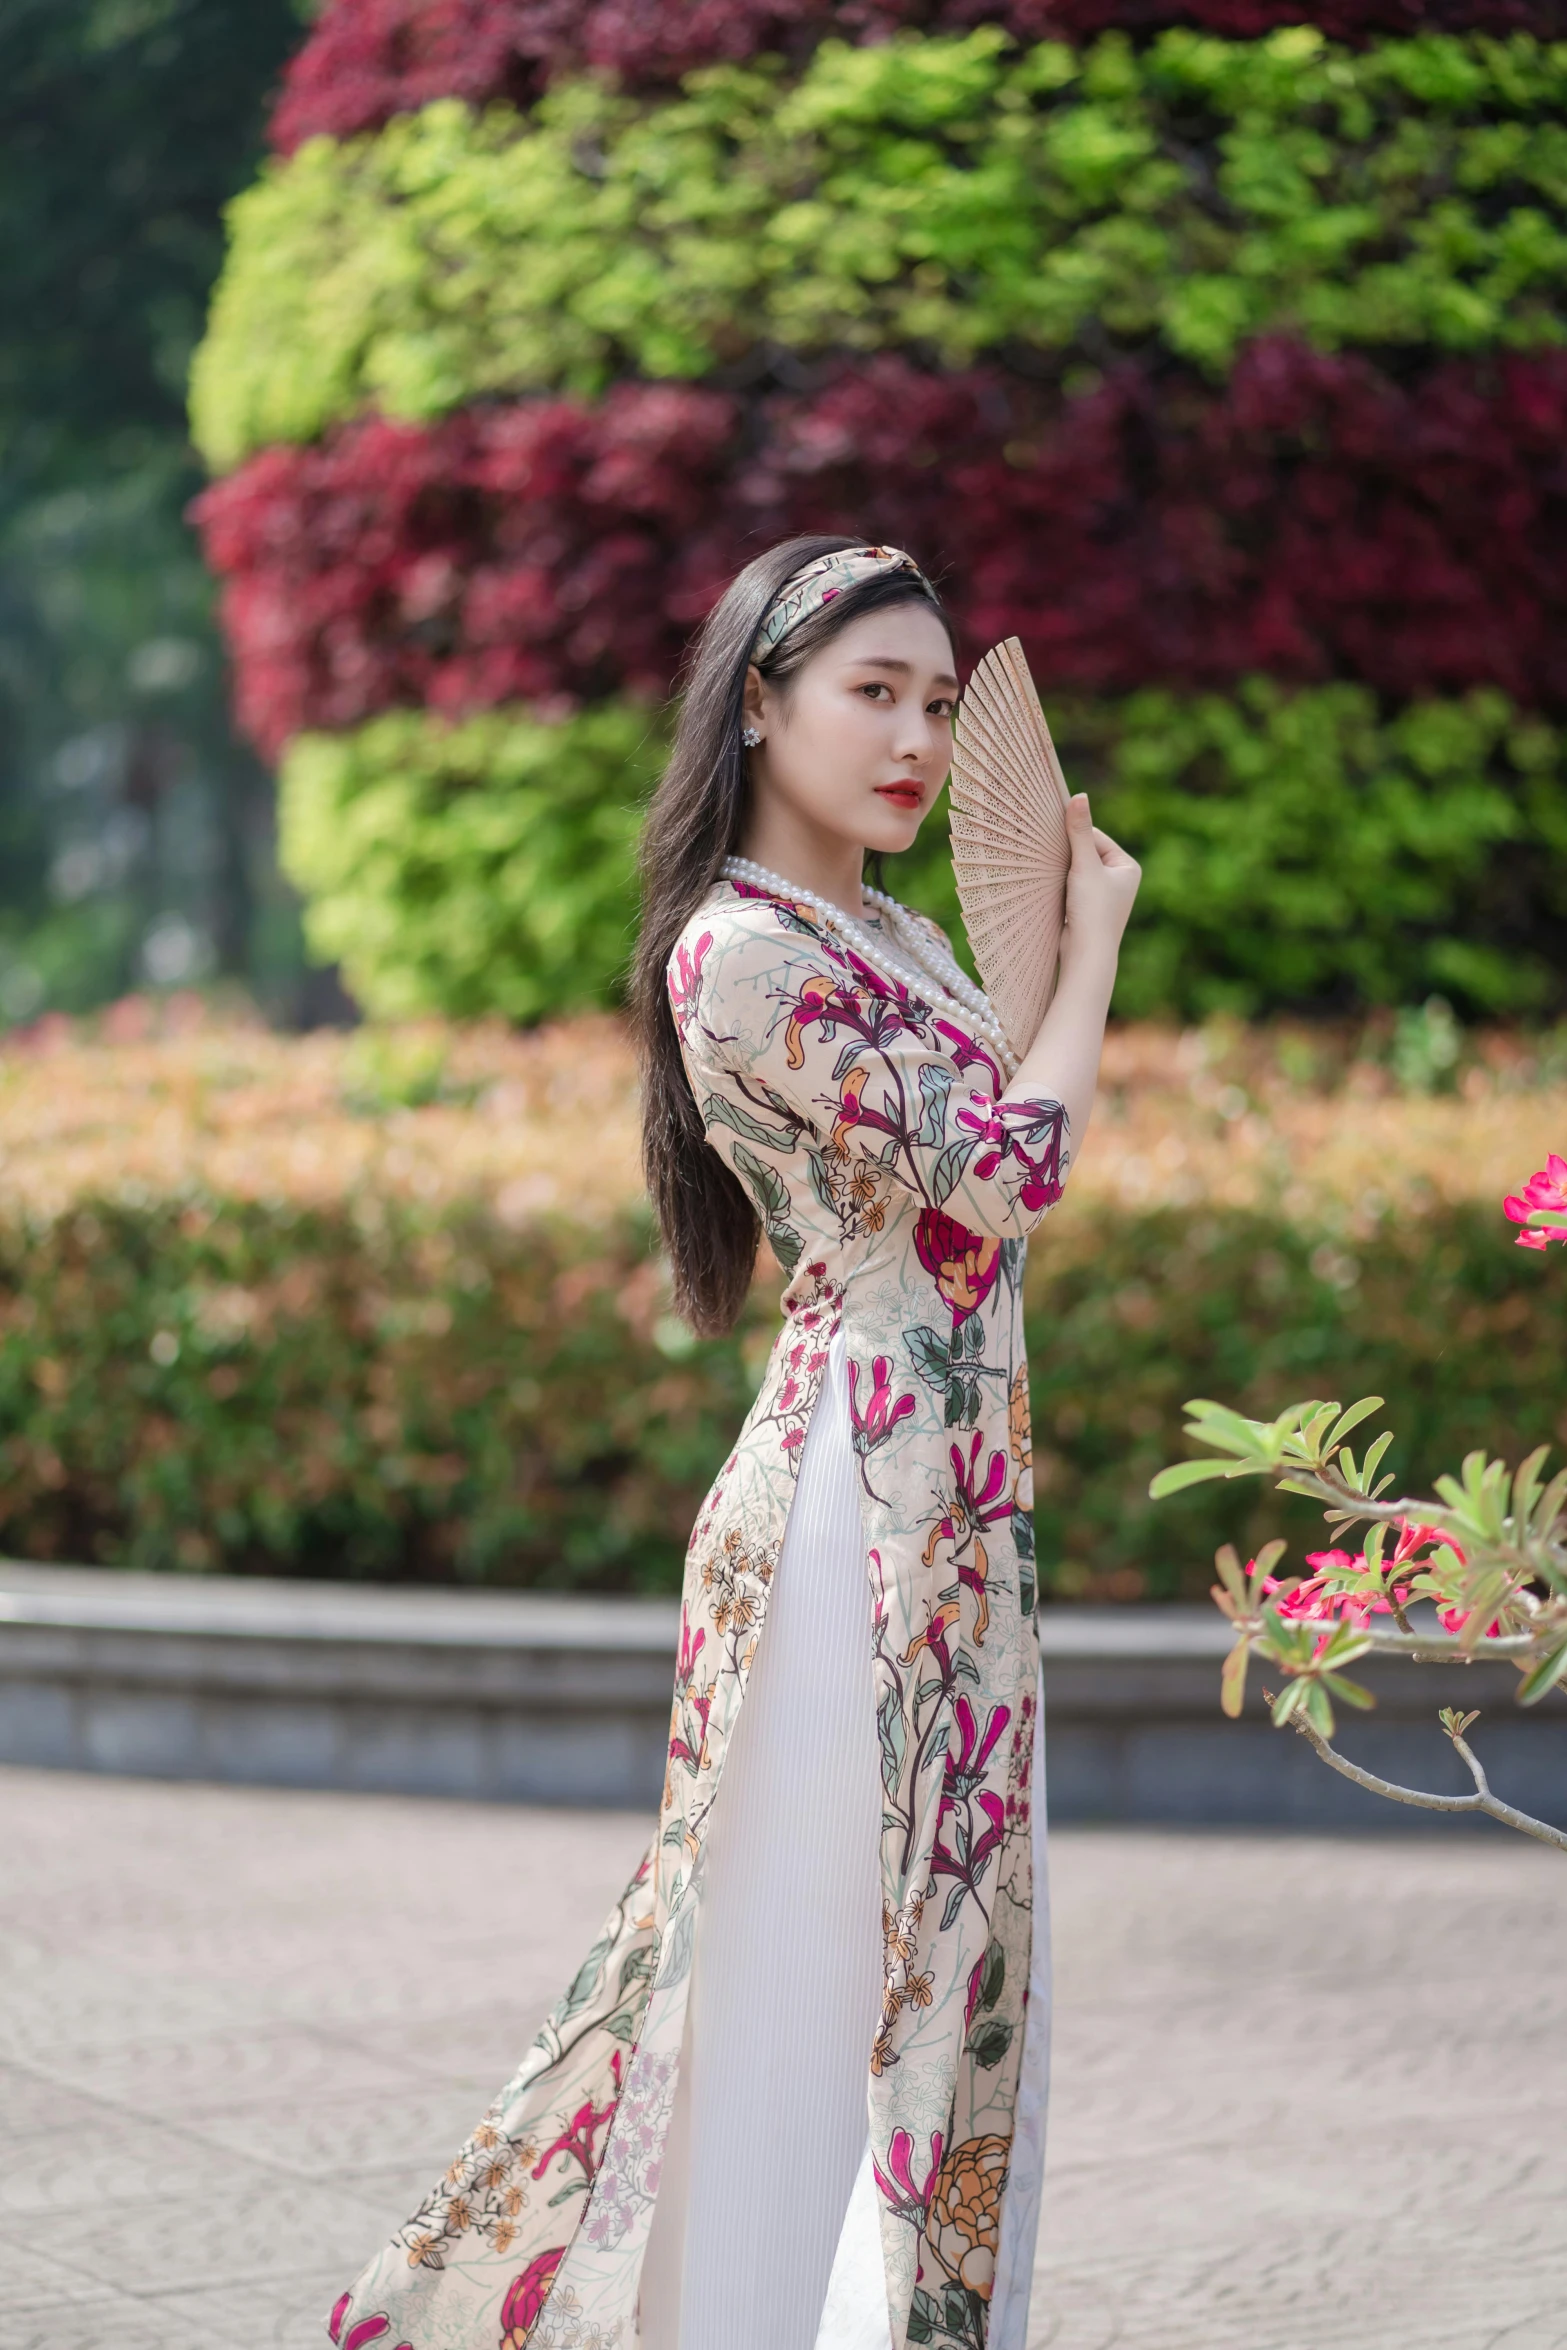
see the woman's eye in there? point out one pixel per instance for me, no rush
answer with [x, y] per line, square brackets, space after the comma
[876, 687]
[939, 709]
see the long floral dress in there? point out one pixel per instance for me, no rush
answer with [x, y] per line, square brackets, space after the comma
[897, 1189]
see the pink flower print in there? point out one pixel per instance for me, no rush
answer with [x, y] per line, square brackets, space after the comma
[908, 2198]
[973, 1508]
[526, 2297]
[1545, 1193]
[968, 1052]
[687, 1744]
[576, 2139]
[361, 2335]
[967, 1856]
[685, 980]
[963, 1264]
[966, 1768]
[818, 999]
[1005, 1135]
[881, 1415]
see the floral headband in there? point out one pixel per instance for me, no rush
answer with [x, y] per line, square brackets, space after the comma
[808, 590]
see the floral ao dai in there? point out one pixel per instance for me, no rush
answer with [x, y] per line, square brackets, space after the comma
[897, 1189]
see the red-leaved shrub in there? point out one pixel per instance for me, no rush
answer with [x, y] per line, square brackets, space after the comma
[368, 59]
[1314, 519]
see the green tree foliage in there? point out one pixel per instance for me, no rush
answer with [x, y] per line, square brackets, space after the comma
[134, 829]
[124, 127]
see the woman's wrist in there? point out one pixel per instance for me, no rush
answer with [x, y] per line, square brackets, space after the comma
[1089, 963]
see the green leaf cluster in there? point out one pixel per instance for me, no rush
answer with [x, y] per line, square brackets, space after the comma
[486, 866]
[952, 193]
[1295, 849]
[1301, 847]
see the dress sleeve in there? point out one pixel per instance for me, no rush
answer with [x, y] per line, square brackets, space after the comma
[792, 1041]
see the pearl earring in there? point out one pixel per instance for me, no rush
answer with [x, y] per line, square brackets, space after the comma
[750, 736]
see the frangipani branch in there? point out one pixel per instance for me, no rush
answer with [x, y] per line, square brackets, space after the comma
[1488, 1552]
[1482, 1799]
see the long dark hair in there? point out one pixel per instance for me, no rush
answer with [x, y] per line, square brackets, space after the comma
[697, 817]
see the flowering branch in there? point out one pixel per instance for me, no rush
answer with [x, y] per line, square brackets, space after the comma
[1487, 1551]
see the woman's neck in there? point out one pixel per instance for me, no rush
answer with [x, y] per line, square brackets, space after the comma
[796, 850]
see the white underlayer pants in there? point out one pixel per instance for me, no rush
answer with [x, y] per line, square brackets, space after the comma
[770, 2121]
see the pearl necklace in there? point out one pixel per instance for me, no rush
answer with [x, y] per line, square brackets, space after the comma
[928, 971]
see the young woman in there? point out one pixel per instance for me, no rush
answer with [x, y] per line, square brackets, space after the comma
[794, 2100]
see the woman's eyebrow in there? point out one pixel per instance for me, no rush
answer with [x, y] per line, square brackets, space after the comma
[904, 668]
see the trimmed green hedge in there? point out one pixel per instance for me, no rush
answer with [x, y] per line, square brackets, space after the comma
[382, 1393]
[955, 193]
[1296, 848]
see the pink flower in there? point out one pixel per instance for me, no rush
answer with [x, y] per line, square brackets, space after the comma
[526, 2297]
[974, 1750]
[881, 1414]
[685, 979]
[902, 2190]
[360, 2336]
[1453, 1619]
[1544, 1193]
[964, 1264]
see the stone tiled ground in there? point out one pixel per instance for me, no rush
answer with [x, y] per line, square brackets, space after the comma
[1309, 2094]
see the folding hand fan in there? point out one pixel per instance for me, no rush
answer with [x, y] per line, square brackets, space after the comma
[1009, 839]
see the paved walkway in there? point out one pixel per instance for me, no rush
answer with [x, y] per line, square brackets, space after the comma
[1309, 2094]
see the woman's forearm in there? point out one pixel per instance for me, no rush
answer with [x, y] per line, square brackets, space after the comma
[1062, 1063]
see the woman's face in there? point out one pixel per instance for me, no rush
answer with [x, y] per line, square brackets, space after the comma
[857, 746]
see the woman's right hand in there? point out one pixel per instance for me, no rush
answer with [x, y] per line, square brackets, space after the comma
[1101, 888]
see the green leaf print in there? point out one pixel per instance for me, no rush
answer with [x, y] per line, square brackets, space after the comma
[947, 1173]
[935, 1085]
[892, 1731]
[929, 1351]
[767, 1186]
[768, 1189]
[718, 1112]
[993, 1981]
[989, 2043]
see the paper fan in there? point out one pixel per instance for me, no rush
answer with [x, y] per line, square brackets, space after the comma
[1009, 839]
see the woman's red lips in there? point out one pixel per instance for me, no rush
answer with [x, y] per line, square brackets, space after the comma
[902, 795]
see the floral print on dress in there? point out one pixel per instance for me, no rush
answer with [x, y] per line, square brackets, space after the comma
[897, 1184]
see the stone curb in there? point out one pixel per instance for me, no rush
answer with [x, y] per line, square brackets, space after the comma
[560, 1698]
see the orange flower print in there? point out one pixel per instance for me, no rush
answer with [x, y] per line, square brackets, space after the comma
[816, 996]
[849, 1107]
[963, 2222]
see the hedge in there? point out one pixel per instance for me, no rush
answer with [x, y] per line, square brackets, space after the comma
[1296, 849]
[948, 193]
[1314, 518]
[382, 1305]
[375, 1391]
[366, 60]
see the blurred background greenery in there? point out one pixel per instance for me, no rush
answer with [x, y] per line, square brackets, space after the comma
[136, 831]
